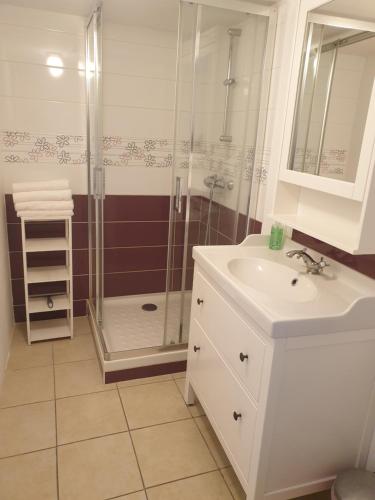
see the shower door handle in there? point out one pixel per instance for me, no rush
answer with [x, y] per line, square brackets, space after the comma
[178, 197]
[99, 183]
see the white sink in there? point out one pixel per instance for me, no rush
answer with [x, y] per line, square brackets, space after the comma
[278, 294]
[273, 278]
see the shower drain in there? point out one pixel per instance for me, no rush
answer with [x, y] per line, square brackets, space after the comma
[149, 307]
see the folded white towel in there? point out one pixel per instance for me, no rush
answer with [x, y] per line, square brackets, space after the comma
[58, 195]
[44, 205]
[20, 187]
[43, 213]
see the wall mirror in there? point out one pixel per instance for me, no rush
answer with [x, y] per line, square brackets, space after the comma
[332, 108]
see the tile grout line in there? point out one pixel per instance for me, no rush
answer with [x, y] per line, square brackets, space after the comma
[132, 442]
[54, 393]
[204, 439]
[55, 403]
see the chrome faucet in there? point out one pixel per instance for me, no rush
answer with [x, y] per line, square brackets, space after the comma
[312, 266]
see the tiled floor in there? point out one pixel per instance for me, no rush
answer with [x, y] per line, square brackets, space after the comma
[64, 435]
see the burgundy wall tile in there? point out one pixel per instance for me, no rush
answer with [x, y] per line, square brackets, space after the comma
[227, 222]
[79, 308]
[223, 240]
[14, 237]
[136, 208]
[80, 235]
[19, 314]
[215, 209]
[81, 261]
[18, 292]
[80, 287]
[131, 234]
[135, 259]
[134, 283]
[11, 214]
[80, 208]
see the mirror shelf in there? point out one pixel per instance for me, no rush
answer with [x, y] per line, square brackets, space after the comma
[326, 186]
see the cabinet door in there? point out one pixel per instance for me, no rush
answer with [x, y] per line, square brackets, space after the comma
[231, 412]
[235, 340]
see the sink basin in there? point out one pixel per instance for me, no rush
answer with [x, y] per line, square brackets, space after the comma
[273, 279]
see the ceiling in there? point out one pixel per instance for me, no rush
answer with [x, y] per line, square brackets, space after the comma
[84, 7]
[357, 9]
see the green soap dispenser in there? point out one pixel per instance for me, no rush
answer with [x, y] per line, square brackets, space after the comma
[276, 241]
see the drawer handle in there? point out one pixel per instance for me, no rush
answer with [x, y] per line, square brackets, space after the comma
[236, 415]
[196, 348]
[199, 301]
[243, 356]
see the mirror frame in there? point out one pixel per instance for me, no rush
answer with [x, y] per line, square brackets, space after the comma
[352, 190]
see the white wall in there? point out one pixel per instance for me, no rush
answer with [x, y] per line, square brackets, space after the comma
[42, 119]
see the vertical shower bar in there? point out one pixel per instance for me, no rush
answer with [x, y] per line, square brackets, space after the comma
[228, 82]
[326, 109]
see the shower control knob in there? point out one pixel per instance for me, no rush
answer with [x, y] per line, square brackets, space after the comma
[236, 415]
[243, 356]
[196, 348]
[199, 301]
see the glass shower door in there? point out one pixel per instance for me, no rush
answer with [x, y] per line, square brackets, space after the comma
[222, 97]
[95, 165]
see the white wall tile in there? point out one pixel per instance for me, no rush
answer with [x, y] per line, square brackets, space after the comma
[119, 90]
[34, 45]
[37, 18]
[36, 82]
[139, 60]
[42, 116]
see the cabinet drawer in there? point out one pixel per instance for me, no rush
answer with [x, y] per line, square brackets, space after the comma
[233, 338]
[222, 395]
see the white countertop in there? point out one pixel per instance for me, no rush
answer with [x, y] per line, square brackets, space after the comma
[344, 299]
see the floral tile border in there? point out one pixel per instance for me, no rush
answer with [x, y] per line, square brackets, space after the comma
[228, 159]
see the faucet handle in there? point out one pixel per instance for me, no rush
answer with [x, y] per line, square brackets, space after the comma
[323, 263]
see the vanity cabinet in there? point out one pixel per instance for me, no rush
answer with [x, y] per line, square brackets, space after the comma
[289, 412]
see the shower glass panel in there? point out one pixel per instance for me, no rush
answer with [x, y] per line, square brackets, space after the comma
[176, 93]
[94, 160]
[223, 52]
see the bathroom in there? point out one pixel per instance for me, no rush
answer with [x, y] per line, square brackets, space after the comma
[187, 249]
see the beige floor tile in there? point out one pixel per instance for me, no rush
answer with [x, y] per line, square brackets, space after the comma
[80, 377]
[143, 381]
[209, 486]
[212, 442]
[27, 386]
[88, 416]
[75, 349]
[27, 428]
[152, 404]
[81, 326]
[171, 451]
[140, 495]
[99, 468]
[195, 410]
[29, 477]
[23, 355]
[179, 375]
[19, 334]
[233, 484]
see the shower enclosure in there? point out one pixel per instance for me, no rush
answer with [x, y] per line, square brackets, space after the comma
[176, 109]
